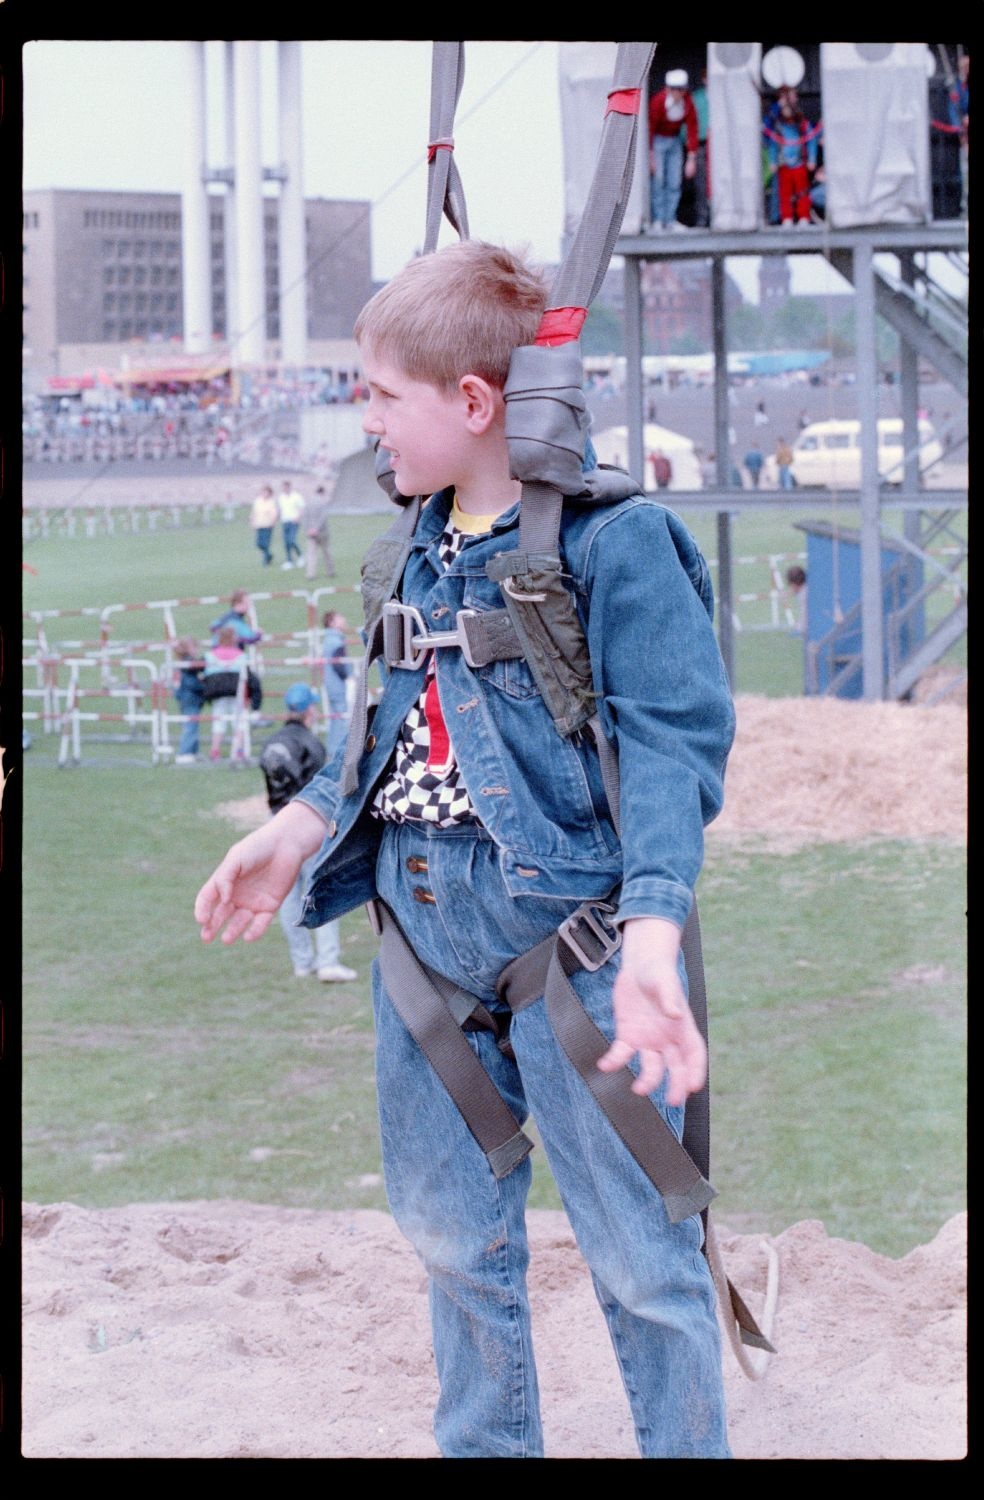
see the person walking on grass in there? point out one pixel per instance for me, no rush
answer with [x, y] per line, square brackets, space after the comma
[263, 518]
[291, 508]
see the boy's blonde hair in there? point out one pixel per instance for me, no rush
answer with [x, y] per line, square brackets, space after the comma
[460, 311]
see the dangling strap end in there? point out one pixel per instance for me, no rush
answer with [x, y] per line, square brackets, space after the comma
[680, 1206]
[502, 1159]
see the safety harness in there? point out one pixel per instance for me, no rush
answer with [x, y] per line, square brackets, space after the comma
[546, 428]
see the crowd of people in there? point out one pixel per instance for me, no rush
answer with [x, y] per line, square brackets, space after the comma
[202, 422]
[218, 674]
[217, 677]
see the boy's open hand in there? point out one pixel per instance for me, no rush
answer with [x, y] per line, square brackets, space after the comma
[652, 1017]
[249, 886]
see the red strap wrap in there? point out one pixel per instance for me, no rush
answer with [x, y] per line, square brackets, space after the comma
[623, 102]
[560, 325]
[436, 146]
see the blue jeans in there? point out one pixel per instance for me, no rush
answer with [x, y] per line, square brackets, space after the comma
[469, 1228]
[667, 179]
[264, 535]
[337, 711]
[291, 548]
[310, 948]
[190, 706]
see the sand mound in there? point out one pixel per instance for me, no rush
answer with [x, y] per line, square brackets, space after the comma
[243, 1330]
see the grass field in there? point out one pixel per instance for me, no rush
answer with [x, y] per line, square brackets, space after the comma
[156, 1068]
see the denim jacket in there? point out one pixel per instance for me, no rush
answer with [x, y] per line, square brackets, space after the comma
[643, 595]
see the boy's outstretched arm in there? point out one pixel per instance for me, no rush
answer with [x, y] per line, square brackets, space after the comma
[248, 888]
[652, 1017]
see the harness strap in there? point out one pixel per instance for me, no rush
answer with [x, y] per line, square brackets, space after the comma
[483, 636]
[426, 1013]
[445, 194]
[545, 970]
[382, 570]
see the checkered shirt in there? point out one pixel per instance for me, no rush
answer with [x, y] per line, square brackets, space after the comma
[413, 791]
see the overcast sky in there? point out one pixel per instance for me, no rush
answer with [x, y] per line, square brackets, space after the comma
[110, 115]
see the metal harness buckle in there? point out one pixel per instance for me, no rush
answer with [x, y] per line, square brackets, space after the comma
[406, 640]
[604, 939]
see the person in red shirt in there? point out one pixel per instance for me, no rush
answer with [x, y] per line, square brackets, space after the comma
[670, 112]
[662, 469]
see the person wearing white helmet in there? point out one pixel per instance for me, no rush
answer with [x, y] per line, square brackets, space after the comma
[671, 112]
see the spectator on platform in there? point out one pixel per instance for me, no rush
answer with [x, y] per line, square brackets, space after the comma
[958, 108]
[671, 112]
[791, 150]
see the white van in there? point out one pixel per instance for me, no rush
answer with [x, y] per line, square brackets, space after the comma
[829, 454]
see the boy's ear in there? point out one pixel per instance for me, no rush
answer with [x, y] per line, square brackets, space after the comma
[482, 401]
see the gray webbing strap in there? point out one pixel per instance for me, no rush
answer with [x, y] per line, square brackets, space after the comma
[697, 1124]
[544, 971]
[425, 1014]
[608, 761]
[584, 266]
[697, 1121]
[445, 194]
[388, 558]
[546, 418]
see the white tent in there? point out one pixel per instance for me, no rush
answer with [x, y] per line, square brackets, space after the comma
[612, 447]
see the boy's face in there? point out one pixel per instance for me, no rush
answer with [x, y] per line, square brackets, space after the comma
[418, 425]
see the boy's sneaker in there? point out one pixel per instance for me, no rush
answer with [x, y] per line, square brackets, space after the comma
[335, 972]
[185, 760]
[302, 973]
[284, 567]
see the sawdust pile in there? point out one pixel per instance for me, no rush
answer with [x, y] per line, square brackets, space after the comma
[806, 770]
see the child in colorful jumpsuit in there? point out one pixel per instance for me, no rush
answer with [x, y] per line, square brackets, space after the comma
[481, 829]
[791, 148]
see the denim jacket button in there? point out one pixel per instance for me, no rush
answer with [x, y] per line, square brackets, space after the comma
[332, 828]
[370, 743]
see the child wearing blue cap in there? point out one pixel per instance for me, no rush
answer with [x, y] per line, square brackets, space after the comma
[289, 759]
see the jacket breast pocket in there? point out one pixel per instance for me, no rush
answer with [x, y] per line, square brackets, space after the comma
[511, 676]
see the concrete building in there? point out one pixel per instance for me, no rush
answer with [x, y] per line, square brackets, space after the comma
[103, 276]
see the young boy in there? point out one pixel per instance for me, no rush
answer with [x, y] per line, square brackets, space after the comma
[481, 829]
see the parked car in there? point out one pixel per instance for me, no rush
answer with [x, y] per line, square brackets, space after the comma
[828, 454]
